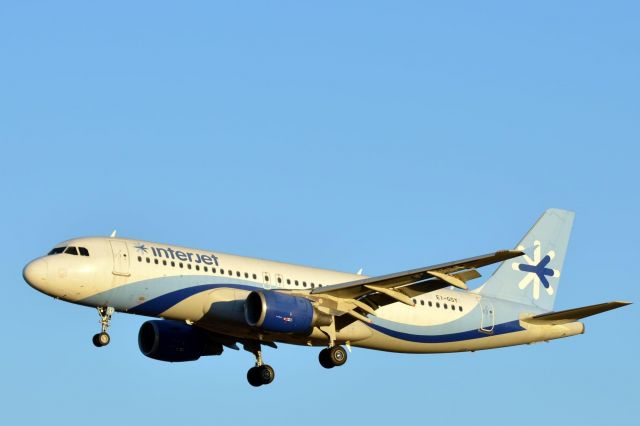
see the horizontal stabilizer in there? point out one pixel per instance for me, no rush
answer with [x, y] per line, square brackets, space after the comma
[572, 315]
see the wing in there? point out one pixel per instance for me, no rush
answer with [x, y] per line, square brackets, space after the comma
[448, 273]
[369, 293]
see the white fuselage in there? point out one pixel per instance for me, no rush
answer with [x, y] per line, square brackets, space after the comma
[209, 289]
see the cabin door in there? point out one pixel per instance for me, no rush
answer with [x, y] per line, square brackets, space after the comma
[488, 316]
[120, 257]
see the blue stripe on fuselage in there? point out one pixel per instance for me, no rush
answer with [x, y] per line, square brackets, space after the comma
[164, 293]
[507, 327]
[153, 296]
[156, 306]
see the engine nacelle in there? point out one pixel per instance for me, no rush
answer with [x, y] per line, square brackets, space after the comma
[175, 341]
[282, 313]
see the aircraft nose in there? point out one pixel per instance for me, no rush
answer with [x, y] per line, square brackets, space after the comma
[35, 274]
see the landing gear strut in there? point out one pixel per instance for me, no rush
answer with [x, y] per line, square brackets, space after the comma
[261, 374]
[334, 356]
[102, 338]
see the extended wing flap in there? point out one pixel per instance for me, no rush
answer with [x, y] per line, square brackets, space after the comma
[444, 272]
[572, 315]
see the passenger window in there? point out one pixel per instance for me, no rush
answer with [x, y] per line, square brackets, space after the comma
[297, 282]
[155, 261]
[437, 304]
[230, 273]
[197, 267]
[221, 271]
[313, 285]
[304, 283]
[83, 251]
[430, 303]
[164, 262]
[71, 250]
[213, 270]
[279, 280]
[422, 302]
[180, 264]
[237, 273]
[453, 307]
[188, 266]
[266, 277]
[246, 275]
[57, 250]
[173, 264]
[460, 308]
[139, 258]
[206, 269]
[255, 277]
[445, 306]
[288, 281]
[148, 260]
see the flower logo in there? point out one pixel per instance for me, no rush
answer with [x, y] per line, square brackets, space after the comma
[140, 248]
[537, 271]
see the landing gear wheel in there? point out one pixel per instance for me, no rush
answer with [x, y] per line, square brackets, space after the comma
[253, 378]
[266, 374]
[262, 375]
[337, 355]
[324, 359]
[101, 339]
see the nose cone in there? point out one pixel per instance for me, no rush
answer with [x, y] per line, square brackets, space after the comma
[36, 274]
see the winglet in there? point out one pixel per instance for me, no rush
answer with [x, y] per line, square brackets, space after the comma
[113, 234]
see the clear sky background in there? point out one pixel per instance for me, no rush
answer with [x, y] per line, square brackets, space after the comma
[382, 135]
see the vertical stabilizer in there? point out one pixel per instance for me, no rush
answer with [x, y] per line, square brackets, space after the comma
[533, 279]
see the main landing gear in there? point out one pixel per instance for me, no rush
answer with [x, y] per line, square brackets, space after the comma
[261, 374]
[334, 356]
[102, 338]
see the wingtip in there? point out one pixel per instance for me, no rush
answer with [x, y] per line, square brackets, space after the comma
[511, 253]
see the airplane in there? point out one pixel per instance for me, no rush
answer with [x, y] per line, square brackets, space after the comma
[208, 301]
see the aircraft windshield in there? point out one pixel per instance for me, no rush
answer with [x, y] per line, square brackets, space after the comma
[75, 251]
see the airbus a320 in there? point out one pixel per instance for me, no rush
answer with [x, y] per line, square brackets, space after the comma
[208, 300]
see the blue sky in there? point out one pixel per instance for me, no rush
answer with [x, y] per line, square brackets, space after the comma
[368, 134]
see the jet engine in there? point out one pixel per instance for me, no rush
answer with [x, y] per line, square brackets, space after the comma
[282, 313]
[175, 341]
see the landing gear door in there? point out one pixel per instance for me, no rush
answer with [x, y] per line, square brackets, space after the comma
[120, 257]
[488, 317]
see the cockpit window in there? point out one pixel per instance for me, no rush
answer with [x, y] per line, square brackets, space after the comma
[56, 250]
[83, 251]
[71, 250]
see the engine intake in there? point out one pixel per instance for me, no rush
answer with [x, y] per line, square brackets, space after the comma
[175, 341]
[282, 313]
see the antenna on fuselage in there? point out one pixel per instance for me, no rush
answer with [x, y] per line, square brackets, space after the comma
[113, 234]
[359, 271]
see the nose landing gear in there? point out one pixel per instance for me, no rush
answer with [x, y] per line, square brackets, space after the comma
[102, 338]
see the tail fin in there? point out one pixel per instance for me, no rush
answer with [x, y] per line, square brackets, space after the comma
[533, 278]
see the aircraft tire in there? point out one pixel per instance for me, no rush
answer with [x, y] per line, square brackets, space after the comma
[337, 355]
[101, 339]
[266, 374]
[324, 359]
[253, 378]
